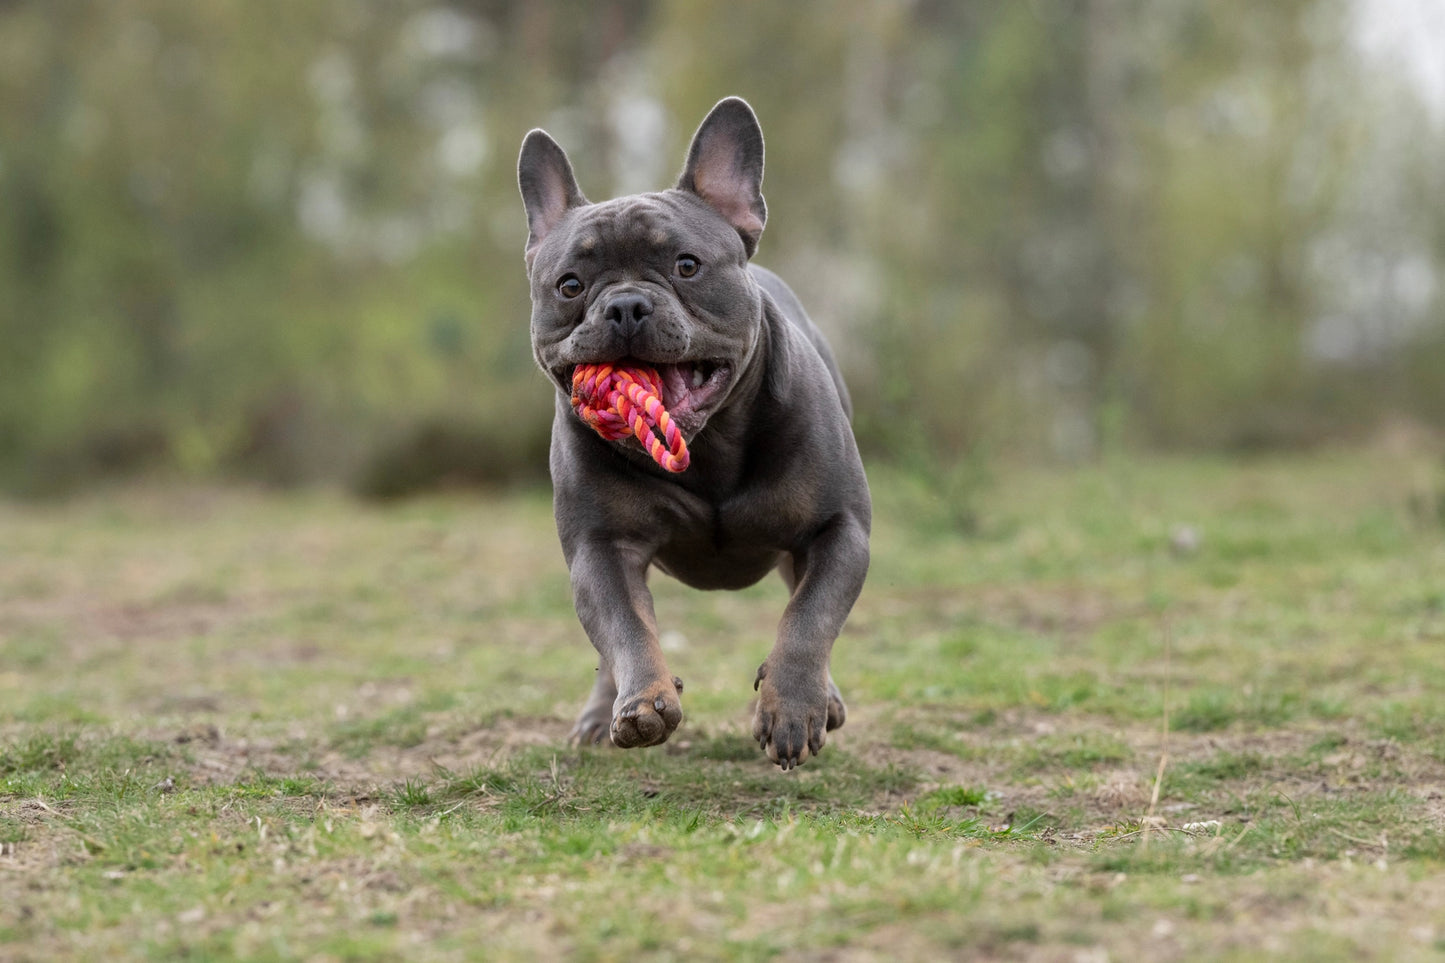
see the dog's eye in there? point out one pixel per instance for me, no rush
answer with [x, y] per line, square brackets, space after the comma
[569, 287]
[687, 265]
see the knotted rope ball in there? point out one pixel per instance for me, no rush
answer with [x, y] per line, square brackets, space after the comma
[622, 400]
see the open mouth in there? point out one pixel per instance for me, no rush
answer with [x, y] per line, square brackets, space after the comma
[691, 386]
[690, 389]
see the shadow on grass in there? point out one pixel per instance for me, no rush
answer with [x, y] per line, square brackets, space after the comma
[719, 776]
[712, 782]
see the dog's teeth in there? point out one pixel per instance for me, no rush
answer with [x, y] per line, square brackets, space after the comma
[697, 377]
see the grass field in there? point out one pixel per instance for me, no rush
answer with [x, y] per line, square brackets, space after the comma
[259, 726]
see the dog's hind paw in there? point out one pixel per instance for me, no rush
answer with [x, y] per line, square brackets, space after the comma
[593, 722]
[837, 711]
[591, 728]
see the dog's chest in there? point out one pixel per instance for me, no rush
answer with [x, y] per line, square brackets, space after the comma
[720, 552]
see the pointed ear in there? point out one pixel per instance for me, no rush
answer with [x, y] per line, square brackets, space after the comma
[725, 168]
[549, 190]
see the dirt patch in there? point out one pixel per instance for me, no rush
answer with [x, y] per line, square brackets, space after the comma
[218, 759]
[45, 842]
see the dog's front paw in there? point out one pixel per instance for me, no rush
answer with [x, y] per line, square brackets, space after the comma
[794, 714]
[648, 717]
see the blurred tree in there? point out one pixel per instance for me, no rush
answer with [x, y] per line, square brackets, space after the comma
[284, 239]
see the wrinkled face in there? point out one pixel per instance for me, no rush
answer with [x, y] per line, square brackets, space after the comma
[655, 278]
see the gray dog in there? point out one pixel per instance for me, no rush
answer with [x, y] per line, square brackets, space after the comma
[775, 480]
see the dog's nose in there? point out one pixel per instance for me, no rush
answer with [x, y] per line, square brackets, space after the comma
[627, 312]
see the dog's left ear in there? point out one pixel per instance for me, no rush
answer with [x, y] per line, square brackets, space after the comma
[725, 168]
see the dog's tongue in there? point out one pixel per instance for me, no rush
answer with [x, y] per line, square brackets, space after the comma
[621, 400]
[676, 384]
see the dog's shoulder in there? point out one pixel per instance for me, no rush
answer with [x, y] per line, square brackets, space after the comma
[785, 337]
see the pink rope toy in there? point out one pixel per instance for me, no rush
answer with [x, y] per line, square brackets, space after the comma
[622, 400]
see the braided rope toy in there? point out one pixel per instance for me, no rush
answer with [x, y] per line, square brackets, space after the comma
[622, 400]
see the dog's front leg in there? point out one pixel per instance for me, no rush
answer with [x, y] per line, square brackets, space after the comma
[609, 589]
[794, 688]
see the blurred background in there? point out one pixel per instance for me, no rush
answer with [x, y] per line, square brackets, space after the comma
[281, 240]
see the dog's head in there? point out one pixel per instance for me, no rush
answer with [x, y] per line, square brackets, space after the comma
[660, 278]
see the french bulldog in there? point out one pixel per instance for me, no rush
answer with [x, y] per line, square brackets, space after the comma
[775, 481]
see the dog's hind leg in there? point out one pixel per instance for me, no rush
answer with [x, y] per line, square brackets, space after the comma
[595, 719]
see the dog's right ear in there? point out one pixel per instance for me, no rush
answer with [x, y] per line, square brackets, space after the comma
[549, 190]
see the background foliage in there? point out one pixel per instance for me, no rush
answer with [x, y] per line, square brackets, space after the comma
[283, 240]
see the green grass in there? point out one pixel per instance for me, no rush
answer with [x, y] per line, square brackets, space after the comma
[275, 727]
